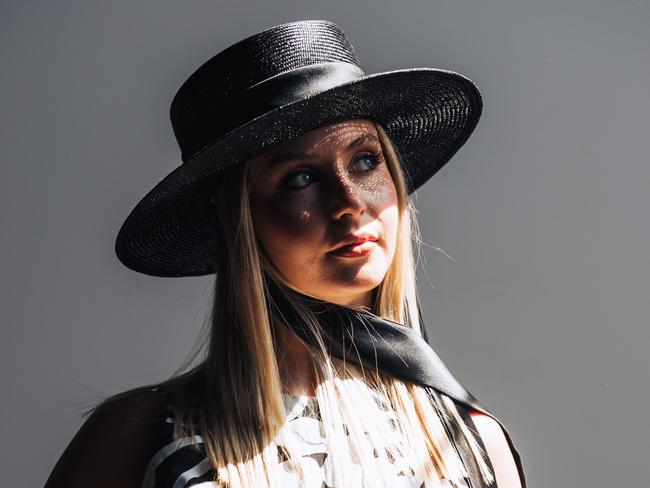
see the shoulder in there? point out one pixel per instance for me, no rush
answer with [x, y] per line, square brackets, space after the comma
[498, 450]
[114, 444]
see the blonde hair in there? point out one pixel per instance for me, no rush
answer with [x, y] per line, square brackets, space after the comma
[242, 412]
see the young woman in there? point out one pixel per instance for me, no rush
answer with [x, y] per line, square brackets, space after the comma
[295, 191]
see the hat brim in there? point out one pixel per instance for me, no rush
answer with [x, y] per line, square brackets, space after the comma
[428, 113]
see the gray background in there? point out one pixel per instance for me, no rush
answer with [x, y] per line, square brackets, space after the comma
[542, 276]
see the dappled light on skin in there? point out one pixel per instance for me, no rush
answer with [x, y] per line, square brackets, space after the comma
[304, 217]
[312, 192]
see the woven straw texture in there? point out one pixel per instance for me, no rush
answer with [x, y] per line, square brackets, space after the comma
[428, 113]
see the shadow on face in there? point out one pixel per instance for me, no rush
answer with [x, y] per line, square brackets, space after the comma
[313, 194]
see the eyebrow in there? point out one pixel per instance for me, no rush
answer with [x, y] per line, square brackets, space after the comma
[290, 156]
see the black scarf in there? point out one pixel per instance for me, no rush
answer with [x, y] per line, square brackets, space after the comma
[384, 345]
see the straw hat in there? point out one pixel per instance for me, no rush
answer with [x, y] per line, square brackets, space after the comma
[265, 89]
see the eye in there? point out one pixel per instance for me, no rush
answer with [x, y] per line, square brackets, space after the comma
[297, 179]
[369, 161]
[303, 177]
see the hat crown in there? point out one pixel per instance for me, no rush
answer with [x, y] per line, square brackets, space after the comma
[216, 91]
[271, 87]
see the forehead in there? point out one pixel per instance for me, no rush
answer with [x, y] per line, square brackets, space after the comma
[329, 137]
[337, 133]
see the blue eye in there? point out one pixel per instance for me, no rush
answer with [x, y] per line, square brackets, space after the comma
[369, 157]
[301, 178]
[296, 176]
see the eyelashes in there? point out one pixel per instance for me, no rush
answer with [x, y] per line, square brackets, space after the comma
[300, 178]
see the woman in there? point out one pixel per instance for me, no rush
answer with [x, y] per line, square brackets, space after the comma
[294, 191]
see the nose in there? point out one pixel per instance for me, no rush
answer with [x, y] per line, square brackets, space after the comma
[345, 199]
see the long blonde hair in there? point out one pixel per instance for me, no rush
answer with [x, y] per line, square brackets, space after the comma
[241, 409]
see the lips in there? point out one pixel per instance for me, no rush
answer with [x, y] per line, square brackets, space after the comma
[352, 239]
[355, 250]
[355, 245]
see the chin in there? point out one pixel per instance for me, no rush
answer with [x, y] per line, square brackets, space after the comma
[363, 272]
[362, 281]
[343, 278]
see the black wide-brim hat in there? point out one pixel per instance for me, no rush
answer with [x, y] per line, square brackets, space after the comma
[263, 90]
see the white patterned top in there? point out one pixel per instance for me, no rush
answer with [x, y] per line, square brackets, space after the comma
[178, 465]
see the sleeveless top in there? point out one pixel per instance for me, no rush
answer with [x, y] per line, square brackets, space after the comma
[177, 464]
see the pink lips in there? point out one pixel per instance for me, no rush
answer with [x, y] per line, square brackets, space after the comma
[356, 250]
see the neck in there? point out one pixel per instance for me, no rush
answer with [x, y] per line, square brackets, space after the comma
[294, 359]
[294, 362]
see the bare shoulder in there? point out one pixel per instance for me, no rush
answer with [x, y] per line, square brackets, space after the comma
[114, 444]
[498, 449]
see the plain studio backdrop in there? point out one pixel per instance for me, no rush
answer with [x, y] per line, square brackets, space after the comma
[535, 281]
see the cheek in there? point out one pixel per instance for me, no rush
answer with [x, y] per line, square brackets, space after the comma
[389, 218]
[287, 228]
[379, 189]
[382, 196]
[390, 221]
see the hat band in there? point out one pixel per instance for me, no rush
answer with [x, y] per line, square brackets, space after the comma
[278, 90]
[299, 83]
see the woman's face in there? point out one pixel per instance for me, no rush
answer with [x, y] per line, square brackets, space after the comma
[318, 192]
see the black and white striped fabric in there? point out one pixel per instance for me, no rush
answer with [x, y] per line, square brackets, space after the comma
[178, 464]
